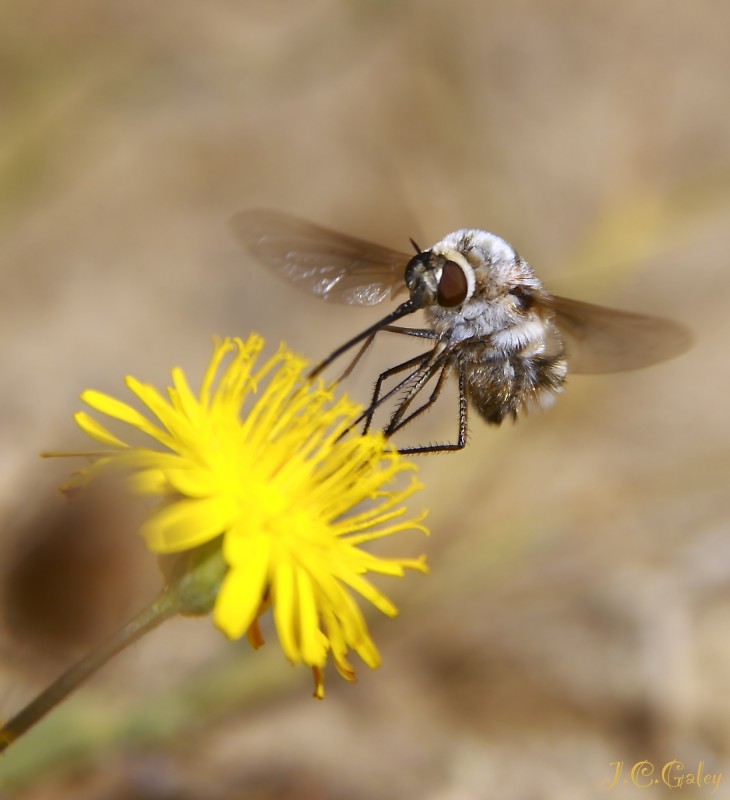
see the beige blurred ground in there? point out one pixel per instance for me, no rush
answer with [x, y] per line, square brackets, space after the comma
[578, 609]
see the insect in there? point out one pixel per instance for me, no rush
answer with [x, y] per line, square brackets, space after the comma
[489, 320]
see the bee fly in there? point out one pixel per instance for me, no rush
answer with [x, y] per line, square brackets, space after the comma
[509, 342]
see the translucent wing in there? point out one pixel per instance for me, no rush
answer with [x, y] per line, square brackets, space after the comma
[330, 265]
[599, 339]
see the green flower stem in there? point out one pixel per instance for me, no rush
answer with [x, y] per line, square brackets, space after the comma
[161, 609]
[194, 580]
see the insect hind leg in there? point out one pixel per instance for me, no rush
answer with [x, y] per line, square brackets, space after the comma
[393, 427]
[460, 444]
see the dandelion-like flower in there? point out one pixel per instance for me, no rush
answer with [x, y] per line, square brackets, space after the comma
[258, 461]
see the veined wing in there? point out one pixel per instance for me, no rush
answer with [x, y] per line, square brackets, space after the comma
[330, 265]
[599, 340]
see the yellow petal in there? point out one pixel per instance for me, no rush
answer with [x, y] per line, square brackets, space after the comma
[313, 643]
[96, 430]
[284, 600]
[242, 591]
[187, 523]
[261, 458]
[115, 408]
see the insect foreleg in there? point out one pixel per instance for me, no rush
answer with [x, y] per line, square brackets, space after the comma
[357, 358]
[420, 333]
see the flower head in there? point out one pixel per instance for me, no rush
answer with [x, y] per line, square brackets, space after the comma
[258, 460]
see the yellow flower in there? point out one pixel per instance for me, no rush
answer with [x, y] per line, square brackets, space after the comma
[258, 458]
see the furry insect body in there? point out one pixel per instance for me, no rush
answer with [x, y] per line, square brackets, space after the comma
[509, 342]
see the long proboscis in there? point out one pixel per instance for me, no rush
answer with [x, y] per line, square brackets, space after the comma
[403, 310]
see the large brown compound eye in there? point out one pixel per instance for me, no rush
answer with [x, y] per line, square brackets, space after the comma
[453, 286]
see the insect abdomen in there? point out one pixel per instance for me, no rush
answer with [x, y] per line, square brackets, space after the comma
[503, 387]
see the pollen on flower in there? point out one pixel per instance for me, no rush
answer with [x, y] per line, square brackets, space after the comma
[257, 459]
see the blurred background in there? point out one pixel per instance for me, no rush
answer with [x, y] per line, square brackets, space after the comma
[578, 609]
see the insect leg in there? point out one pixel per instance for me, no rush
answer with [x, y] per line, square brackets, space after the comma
[357, 358]
[427, 372]
[403, 310]
[421, 333]
[379, 399]
[461, 443]
[417, 362]
[391, 429]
